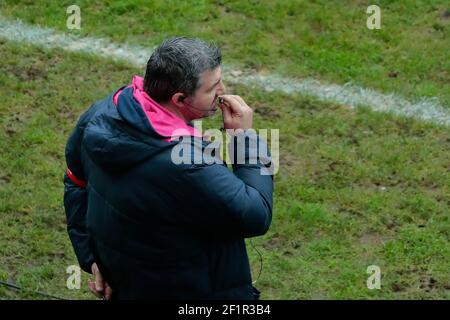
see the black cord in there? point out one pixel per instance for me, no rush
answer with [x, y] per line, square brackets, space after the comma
[260, 261]
[19, 288]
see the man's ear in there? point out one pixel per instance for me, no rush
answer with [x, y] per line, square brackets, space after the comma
[178, 99]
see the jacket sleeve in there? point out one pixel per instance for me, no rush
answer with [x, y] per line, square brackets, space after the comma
[232, 204]
[75, 197]
[75, 203]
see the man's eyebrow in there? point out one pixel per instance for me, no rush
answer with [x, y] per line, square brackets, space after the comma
[215, 84]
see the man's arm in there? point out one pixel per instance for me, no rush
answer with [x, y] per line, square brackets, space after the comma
[75, 200]
[232, 204]
[75, 194]
[222, 203]
[75, 203]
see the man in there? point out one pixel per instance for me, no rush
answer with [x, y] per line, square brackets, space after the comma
[148, 228]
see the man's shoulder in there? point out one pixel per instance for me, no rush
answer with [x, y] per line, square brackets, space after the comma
[95, 109]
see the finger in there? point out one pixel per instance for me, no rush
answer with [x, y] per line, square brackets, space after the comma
[230, 98]
[241, 101]
[226, 113]
[245, 107]
[91, 286]
[108, 292]
[233, 103]
[99, 286]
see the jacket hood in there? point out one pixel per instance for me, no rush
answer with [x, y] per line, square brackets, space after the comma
[131, 127]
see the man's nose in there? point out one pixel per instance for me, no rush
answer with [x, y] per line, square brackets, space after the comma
[220, 88]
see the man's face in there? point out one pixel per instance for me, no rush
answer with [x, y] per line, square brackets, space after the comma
[204, 100]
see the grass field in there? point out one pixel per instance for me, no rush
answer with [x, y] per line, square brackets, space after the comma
[355, 187]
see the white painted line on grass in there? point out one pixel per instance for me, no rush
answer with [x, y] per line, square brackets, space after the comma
[351, 95]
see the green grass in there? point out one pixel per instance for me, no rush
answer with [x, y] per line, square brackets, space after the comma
[42, 94]
[320, 39]
[355, 188]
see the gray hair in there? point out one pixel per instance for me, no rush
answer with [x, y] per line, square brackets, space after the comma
[177, 65]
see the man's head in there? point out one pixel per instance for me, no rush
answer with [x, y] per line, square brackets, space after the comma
[184, 75]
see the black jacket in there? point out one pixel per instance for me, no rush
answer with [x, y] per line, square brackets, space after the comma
[160, 230]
